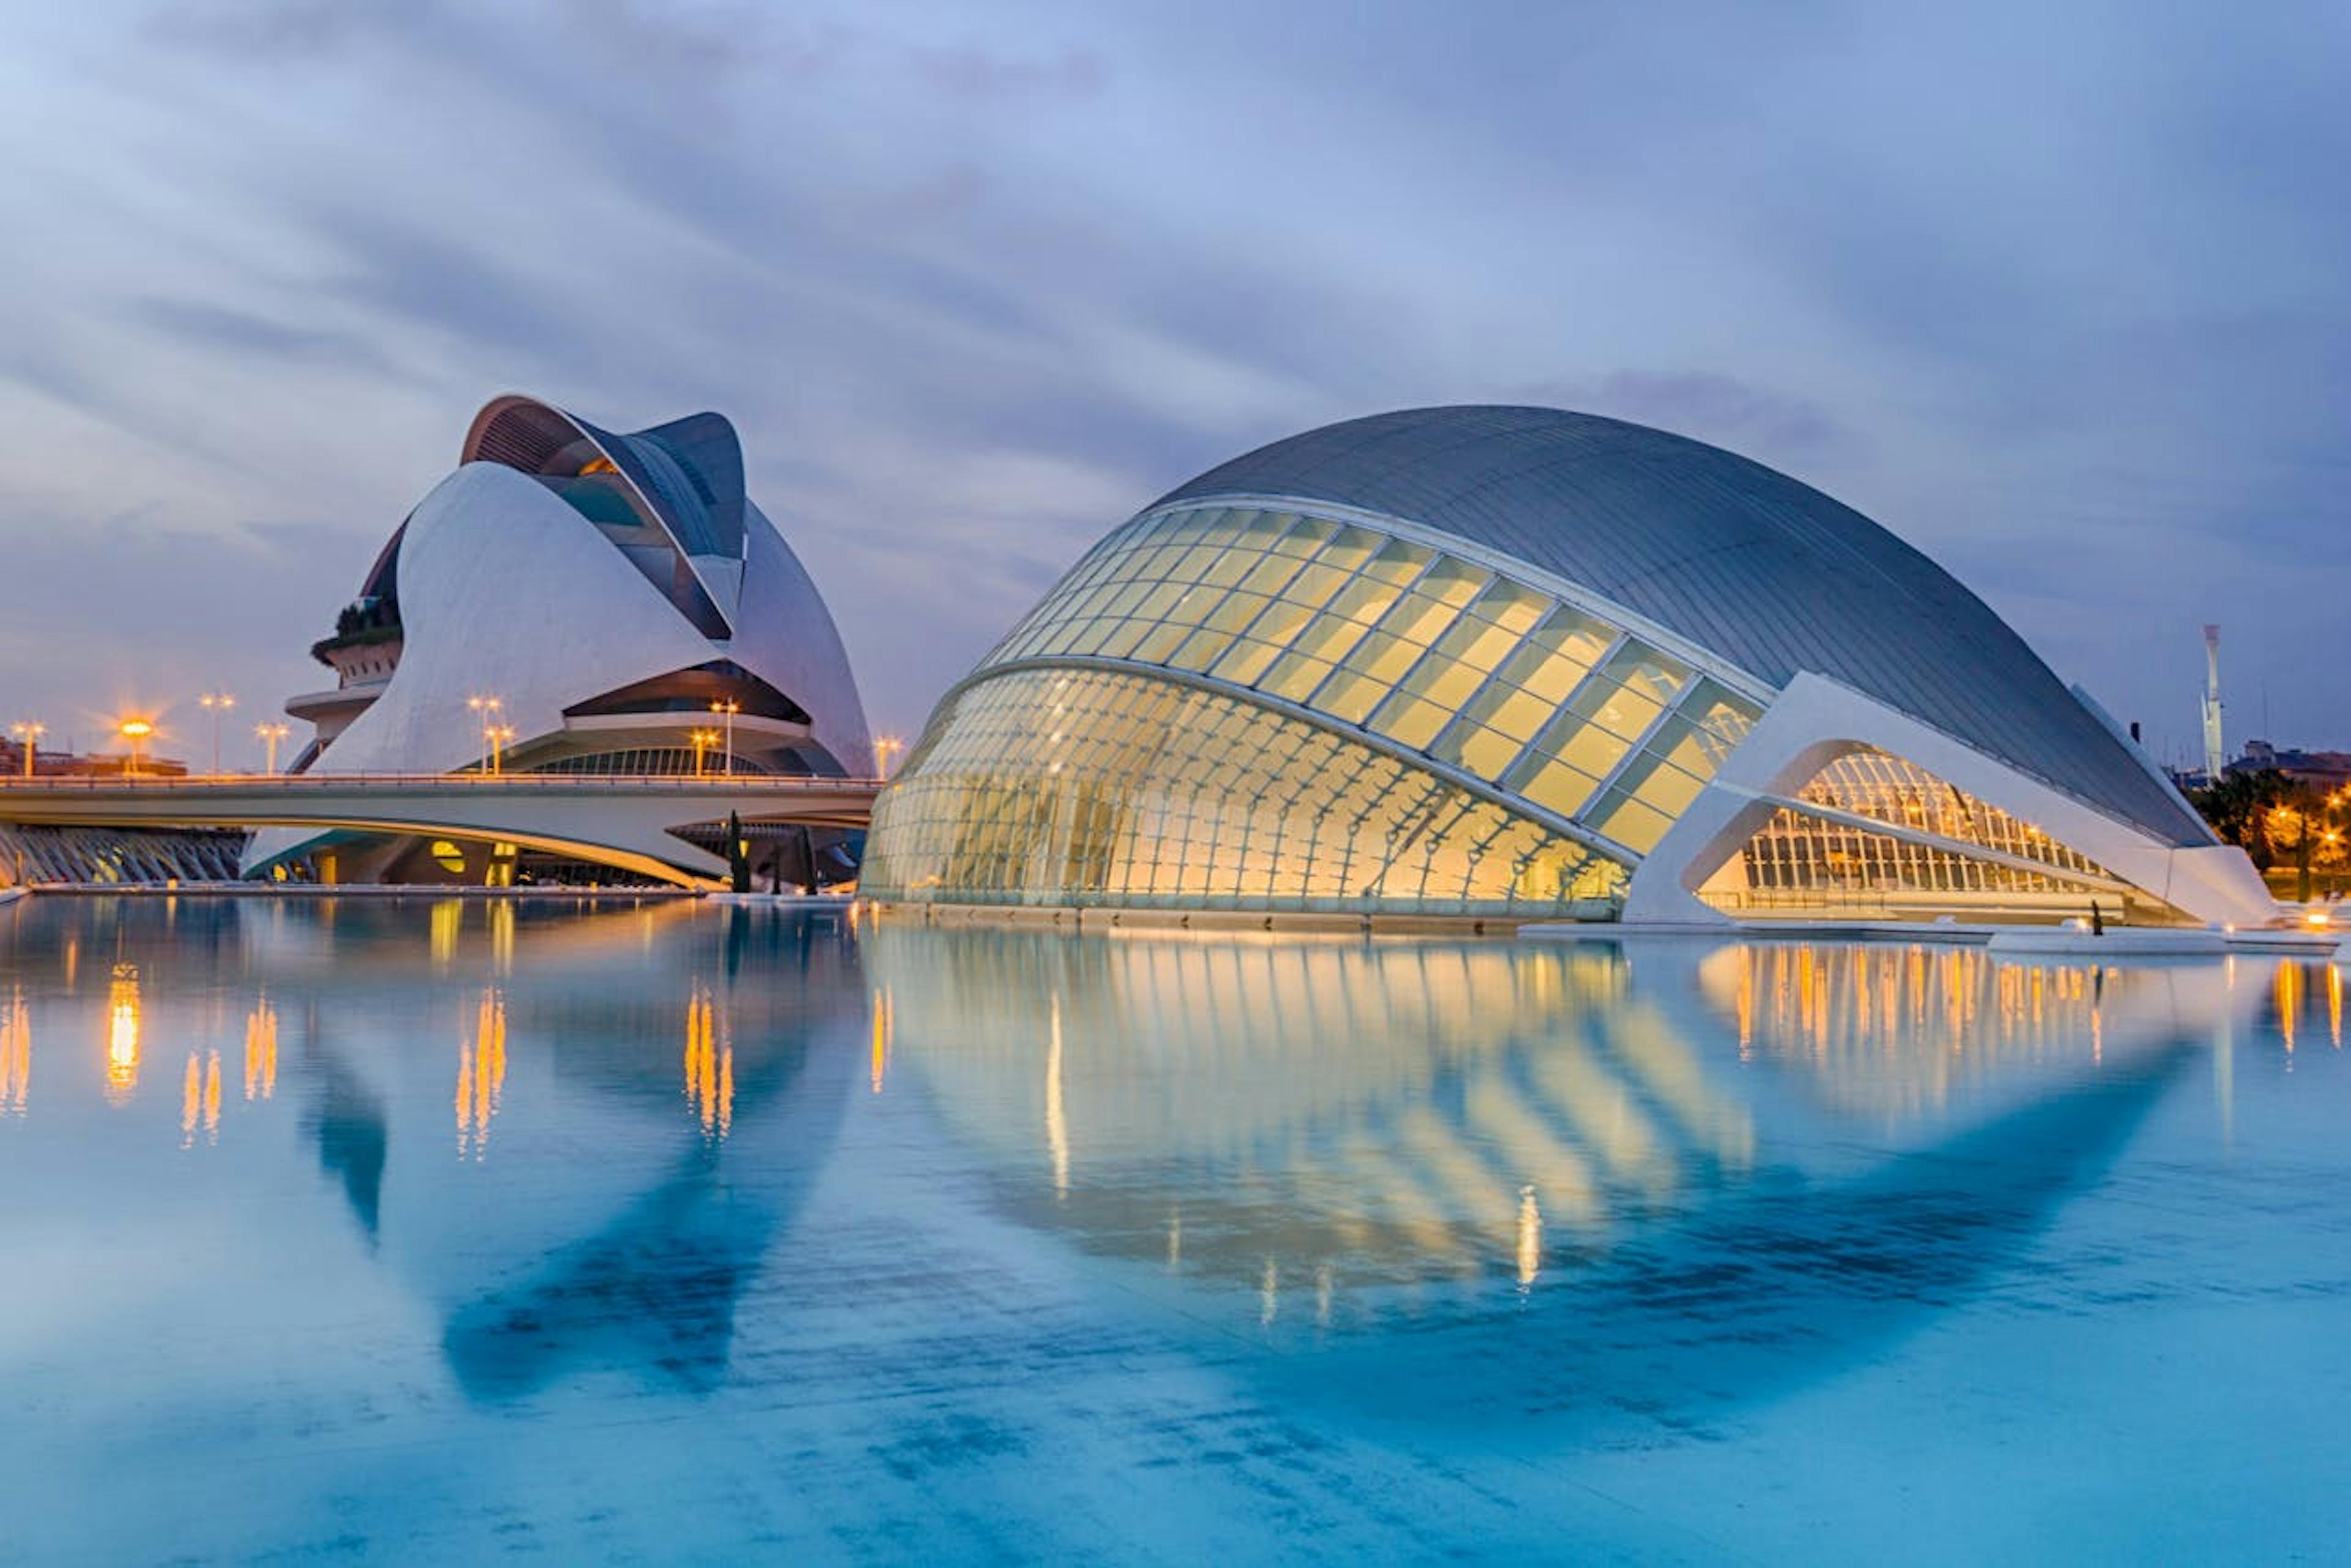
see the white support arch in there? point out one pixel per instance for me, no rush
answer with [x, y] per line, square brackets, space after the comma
[1816, 720]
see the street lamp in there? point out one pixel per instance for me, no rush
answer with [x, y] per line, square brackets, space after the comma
[883, 749]
[271, 734]
[497, 735]
[704, 739]
[217, 704]
[485, 712]
[29, 735]
[135, 731]
[730, 707]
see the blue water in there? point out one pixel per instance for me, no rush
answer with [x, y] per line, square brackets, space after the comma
[455, 1230]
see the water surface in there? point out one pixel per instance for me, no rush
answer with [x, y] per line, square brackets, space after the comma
[459, 1229]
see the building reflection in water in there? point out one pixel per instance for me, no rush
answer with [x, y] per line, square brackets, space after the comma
[1895, 1030]
[709, 1064]
[200, 1098]
[1268, 1112]
[16, 1055]
[122, 1022]
[481, 1073]
[261, 1050]
[447, 919]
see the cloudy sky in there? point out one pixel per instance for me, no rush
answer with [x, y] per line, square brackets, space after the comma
[2060, 293]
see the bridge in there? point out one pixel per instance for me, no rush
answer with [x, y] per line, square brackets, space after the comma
[628, 821]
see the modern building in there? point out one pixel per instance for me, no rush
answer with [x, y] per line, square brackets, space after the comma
[575, 600]
[1515, 664]
[92, 855]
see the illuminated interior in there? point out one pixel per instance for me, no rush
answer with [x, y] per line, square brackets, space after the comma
[1562, 746]
[1159, 795]
[1874, 833]
[1483, 660]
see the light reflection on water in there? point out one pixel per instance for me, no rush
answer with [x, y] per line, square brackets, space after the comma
[566, 1162]
[1263, 1112]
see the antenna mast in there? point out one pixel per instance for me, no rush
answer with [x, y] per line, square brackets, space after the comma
[2212, 752]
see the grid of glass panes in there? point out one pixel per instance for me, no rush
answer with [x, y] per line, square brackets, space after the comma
[666, 760]
[1892, 789]
[1796, 852]
[1433, 652]
[1079, 787]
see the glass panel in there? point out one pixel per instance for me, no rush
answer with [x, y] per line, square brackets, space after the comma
[1364, 599]
[1256, 810]
[1158, 643]
[1246, 661]
[1328, 637]
[1418, 617]
[1559, 788]
[1349, 696]
[1512, 606]
[1294, 676]
[1382, 657]
[1397, 562]
[1411, 721]
[1310, 536]
[1201, 649]
[1350, 546]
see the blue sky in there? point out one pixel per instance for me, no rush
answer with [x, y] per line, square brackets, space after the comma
[2060, 293]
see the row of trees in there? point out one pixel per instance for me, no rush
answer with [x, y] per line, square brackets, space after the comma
[2281, 822]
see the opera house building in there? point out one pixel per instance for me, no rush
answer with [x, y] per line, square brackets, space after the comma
[576, 600]
[1517, 664]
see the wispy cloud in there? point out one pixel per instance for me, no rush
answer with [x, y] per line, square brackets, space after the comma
[2065, 300]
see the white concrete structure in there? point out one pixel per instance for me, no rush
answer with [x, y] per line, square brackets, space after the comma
[629, 824]
[575, 600]
[1520, 664]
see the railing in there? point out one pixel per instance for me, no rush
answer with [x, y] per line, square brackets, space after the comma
[710, 783]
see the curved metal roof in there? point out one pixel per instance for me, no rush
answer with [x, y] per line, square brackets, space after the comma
[1770, 573]
[689, 471]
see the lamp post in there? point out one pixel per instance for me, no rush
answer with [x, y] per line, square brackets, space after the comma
[486, 714]
[498, 735]
[135, 731]
[884, 748]
[702, 739]
[29, 735]
[730, 707]
[271, 734]
[217, 704]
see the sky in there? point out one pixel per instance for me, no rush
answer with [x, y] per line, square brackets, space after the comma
[2061, 293]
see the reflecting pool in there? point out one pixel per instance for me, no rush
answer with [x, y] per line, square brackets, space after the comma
[448, 1230]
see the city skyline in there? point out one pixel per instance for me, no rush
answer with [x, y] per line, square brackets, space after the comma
[976, 296]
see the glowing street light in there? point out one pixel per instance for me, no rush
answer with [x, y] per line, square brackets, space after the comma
[217, 704]
[29, 735]
[497, 735]
[704, 739]
[135, 731]
[730, 707]
[271, 734]
[884, 746]
[485, 714]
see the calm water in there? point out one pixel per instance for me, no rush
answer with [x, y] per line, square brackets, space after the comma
[453, 1230]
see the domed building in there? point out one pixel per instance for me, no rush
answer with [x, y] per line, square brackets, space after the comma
[1517, 664]
[572, 600]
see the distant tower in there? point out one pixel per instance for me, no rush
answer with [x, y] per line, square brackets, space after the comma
[2212, 758]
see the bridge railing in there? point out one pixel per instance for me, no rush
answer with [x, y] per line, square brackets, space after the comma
[714, 783]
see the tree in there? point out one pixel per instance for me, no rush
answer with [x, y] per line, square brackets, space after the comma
[739, 856]
[2274, 819]
[2239, 807]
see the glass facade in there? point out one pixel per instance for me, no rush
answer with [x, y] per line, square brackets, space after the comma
[1436, 654]
[1981, 857]
[1068, 786]
[1069, 772]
